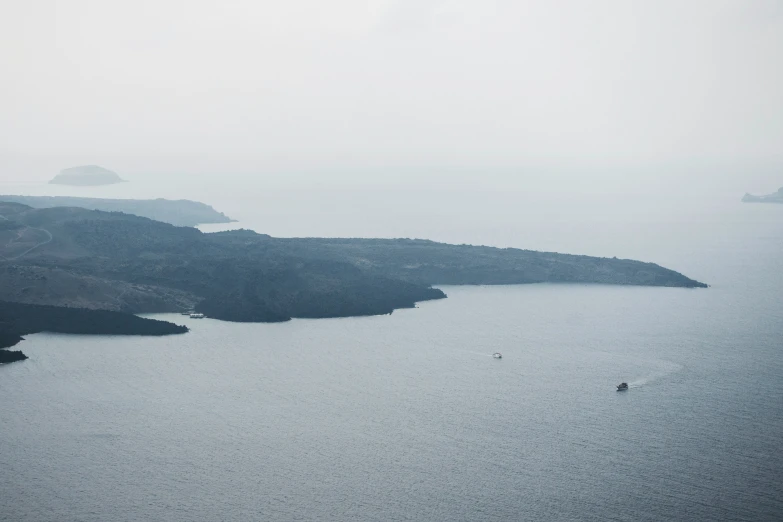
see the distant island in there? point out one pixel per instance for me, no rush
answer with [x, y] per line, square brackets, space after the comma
[776, 197]
[86, 175]
[66, 256]
[183, 212]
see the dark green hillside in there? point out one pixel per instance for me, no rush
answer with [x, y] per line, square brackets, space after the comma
[428, 262]
[308, 290]
[115, 261]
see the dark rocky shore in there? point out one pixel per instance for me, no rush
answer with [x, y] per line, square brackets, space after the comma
[18, 319]
[9, 356]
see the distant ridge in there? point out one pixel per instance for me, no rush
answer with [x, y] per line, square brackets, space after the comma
[86, 175]
[182, 213]
[776, 197]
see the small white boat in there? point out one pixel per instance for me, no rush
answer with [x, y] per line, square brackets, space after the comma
[623, 386]
[196, 316]
[497, 355]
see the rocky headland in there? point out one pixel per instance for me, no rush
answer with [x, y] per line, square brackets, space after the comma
[19, 319]
[9, 356]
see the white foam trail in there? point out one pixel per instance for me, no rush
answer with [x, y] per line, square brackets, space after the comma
[670, 368]
[479, 353]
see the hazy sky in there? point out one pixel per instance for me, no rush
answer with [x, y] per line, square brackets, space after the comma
[200, 85]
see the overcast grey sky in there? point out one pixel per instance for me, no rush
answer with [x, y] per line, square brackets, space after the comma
[199, 85]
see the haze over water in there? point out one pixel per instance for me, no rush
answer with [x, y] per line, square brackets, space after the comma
[625, 128]
[407, 417]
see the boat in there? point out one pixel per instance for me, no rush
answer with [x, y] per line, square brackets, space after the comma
[497, 355]
[623, 386]
[196, 316]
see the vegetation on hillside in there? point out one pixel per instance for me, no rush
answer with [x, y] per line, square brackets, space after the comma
[244, 276]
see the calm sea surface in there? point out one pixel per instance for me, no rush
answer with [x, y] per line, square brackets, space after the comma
[408, 417]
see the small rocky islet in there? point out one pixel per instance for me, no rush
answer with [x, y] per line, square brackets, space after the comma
[86, 176]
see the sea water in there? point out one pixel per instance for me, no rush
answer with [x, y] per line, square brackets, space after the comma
[408, 417]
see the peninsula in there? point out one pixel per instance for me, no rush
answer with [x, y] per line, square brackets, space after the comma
[9, 356]
[182, 212]
[18, 319]
[68, 256]
[86, 175]
[776, 197]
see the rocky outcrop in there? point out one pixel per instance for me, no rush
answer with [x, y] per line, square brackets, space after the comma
[9, 356]
[8, 337]
[21, 319]
[17, 319]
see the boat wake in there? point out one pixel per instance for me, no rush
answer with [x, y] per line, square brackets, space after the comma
[479, 353]
[667, 368]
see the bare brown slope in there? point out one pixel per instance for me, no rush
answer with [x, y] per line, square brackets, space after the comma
[54, 286]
